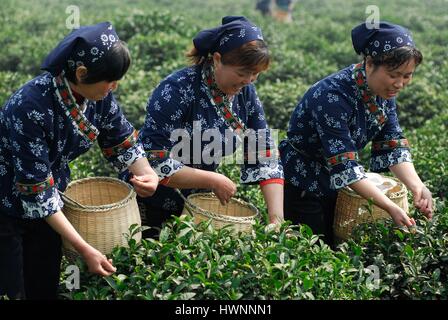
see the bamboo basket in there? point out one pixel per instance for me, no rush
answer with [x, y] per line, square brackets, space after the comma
[351, 211]
[237, 213]
[101, 209]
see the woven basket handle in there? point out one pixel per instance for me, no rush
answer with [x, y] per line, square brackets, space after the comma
[66, 198]
[188, 204]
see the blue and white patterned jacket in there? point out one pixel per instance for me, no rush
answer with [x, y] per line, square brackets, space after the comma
[179, 102]
[39, 137]
[332, 122]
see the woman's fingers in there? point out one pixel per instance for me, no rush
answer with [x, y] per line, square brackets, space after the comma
[107, 265]
[424, 204]
[405, 220]
[224, 197]
[143, 188]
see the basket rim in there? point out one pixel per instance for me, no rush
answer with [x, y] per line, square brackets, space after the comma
[104, 207]
[217, 216]
[392, 195]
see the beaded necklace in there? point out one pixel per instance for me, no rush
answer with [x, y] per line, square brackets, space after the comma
[73, 110]
[375, 111]
[220, 100]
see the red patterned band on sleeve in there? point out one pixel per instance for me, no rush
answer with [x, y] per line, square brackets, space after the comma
[126, 144]
[157, 154]
[164, 181]
[36, 187]
[340, 158]
[273, 180]
[259, 154]
[390, 144]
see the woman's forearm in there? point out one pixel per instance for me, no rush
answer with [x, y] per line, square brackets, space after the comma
[64, 228]
[368, 190]
[273, 195]
[422, 196]
[406, 173]
[187, 178]
[141, 167]
[95, 260]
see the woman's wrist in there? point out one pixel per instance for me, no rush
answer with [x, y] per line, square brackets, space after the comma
[211, 180]
[393, 209]
[276, 218]
[82, 247]
[415, 186]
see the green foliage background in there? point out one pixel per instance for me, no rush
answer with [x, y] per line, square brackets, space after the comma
[316, 44]
[159, 33]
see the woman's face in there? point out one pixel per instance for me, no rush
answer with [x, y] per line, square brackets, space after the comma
[93, 91]
[387, 83]
[96, 91]
[231, 79]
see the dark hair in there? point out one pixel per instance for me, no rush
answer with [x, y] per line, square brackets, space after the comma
[113, 66]
[252, 55]
[395, 58]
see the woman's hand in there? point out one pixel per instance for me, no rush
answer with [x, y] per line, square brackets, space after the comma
[276, 219]
[144, 178]
[97, 262]
[405, 171]
[423, 200]
[275, 223]
[223, 188]
[145, 185]
[400, 217]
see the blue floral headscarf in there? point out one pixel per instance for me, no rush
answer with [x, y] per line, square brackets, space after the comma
[84, 46]
[375, 41]
[233, 33]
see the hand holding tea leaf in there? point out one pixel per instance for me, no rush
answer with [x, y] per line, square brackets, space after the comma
[223, 188]
[145, 185]
[144, 178]
[400, 217]
[423, 200]
[98, 262]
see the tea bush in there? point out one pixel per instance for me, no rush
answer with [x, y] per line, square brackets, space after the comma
[429, 147]
[157, 49]
[197, 262]
[411, 265]
[134, 92]
[279, 101]
[200, 262]
[152, 23]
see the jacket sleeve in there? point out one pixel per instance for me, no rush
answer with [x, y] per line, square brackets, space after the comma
[261, 159]
[338, 146]
[164, 127]
[28, 126]
[118, 138]
[389, 147]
